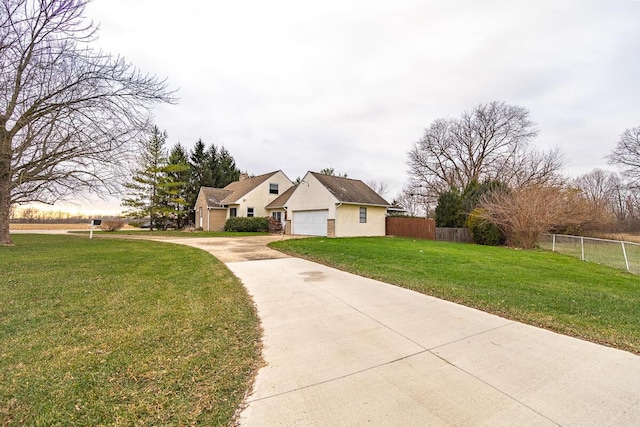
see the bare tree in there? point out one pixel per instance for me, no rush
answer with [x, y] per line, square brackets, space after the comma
[607, 190]
[627, 155]
[379, 187]
[415, 201]
[69, 115]
[489, 143]
[524, 213]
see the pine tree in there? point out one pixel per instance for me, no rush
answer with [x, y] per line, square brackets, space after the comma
[199, 173]
[226, 171]
[173, 188]
[143, 193]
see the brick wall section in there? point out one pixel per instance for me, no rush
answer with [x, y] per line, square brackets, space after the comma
[331, 228]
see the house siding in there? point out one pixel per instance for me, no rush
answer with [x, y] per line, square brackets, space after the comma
[201, 211]
[259, 197]
[347, 221]
[312, 195]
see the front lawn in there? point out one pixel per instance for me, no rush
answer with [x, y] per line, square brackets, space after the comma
[121, 332]
[550, 290]
[141, 232]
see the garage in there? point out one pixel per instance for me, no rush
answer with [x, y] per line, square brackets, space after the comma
[310, 223]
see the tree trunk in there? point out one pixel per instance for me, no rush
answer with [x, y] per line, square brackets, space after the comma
[5, 188]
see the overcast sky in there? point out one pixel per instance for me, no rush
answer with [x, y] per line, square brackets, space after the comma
[299, 85]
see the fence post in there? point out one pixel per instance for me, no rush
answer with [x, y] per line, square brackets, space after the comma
[553, 245]
[582, 244]
[626, 260]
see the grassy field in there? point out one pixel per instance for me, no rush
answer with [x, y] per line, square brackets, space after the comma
[121, 332]
[602, 251]
[550, 290]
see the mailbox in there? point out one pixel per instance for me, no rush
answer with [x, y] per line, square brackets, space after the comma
[96, 221]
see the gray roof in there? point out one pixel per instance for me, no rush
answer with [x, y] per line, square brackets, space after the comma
[281, 200]
[229, 195]
[215, 196]
[241, 188]
[348, 190]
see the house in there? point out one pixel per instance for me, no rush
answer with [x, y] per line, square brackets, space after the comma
[247, 197]
[325, 205]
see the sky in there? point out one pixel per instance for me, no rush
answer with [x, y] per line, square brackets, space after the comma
[297, 85]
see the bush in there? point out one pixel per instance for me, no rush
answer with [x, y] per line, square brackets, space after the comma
[112, 224]
[245, 224]
[482, 231]
[449, 213]
[275, 226]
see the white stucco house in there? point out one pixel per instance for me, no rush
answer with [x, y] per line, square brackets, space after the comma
[247, 197]
[321, 205]
[325, 205]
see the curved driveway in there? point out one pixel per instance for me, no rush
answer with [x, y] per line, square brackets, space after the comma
[344, 350]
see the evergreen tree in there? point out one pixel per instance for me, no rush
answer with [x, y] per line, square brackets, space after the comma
[449, 213]
[143, 193]
[211, 165]
[174, 187]
[226, 170]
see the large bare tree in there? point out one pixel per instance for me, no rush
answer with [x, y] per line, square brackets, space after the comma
[489, 143]
[606, 189]
[69, 115]
[627, 155]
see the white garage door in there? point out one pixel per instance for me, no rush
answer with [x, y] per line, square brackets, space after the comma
[310, 223]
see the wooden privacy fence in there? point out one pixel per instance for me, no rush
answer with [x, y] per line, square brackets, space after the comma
[460, 235]
[419, 228]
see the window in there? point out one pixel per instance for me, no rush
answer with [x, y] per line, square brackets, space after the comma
[363, 215]
[273, 188]
[249, 212]
[233, 212]
[277, 216]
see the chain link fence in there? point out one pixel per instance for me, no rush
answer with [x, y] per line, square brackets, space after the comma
[613, 253]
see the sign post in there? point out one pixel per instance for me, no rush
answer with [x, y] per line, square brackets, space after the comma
[94, 222]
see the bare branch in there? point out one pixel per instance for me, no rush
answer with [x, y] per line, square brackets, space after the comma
[489, 143]
[69, 115]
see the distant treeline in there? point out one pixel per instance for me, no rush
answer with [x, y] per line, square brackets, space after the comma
[36, 216]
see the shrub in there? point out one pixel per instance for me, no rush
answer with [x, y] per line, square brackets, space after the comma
[275, 226]
[245, 224]
[112, 224]
[449, 213]
[482, 231]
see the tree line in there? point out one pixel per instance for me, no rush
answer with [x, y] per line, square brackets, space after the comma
[482, 171]
[165, 183]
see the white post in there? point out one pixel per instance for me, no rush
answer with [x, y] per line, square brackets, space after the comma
[582, 244]
[626, 260]
[91, 232]
[553, 245]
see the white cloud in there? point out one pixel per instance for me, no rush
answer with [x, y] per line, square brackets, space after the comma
[352, 84]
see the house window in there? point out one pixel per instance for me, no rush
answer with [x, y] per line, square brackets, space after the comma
[277, 216]
[273, 188]
[249, 212]
[363, 215]
[233, 212]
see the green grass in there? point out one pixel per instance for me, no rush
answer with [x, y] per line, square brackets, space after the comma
[121, 332]
[170, 233]
[605, 252]
[550, 290]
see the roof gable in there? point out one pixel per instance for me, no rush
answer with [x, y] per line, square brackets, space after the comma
[239, 189]
[281, 200]
[214, 197]
[347, 190]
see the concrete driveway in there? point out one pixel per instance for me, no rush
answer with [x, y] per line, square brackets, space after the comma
[342, 350]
